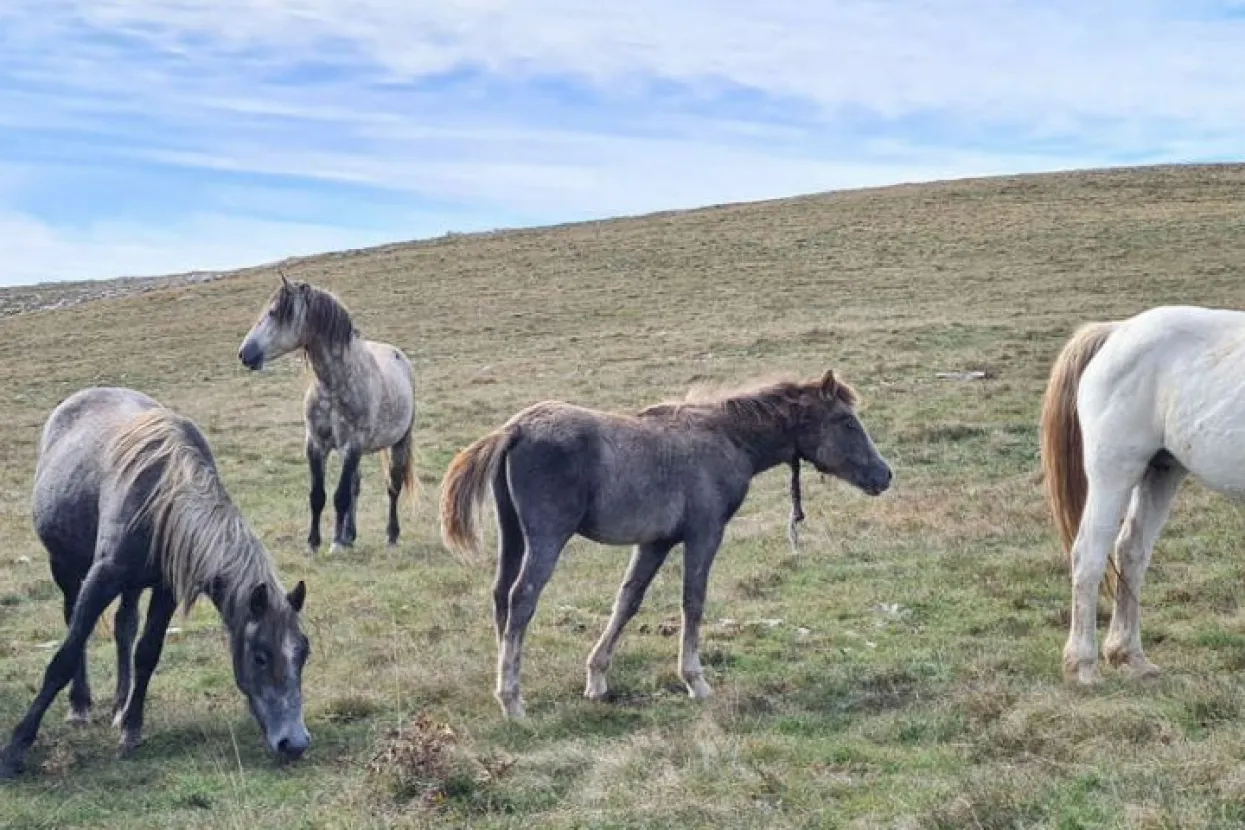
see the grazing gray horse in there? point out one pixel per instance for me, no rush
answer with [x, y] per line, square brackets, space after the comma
[674, 473]
[362, 400]
[127, 497]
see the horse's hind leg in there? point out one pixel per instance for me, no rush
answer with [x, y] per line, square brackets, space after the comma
[399, 464]
[69, 580]
[315, 464]
[510, 548]
[125, 629]
[1147, 513]
[645, 562]
[542, 555]
[1110, 487]
[160, 610]
[99, 589]
[698, 555]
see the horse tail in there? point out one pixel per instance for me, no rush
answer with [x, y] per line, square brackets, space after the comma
[463, 489]
[410, 482]
[1063, 457]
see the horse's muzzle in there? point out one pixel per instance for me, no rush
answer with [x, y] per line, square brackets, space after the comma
[251, 356]
[291, 747]
[878, 482]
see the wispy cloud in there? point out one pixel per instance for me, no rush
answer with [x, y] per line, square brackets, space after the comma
[134, 130]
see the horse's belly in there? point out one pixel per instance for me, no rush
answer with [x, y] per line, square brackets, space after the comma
[1223, 473]
[631, 526]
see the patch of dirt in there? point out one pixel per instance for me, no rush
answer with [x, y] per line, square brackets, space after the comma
[50, 296]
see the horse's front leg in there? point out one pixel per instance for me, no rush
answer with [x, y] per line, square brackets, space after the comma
[645, 562]
[99, 589]
[698, 555]
[160, 610]
[315, 465]
[125, 629]
[343, 499]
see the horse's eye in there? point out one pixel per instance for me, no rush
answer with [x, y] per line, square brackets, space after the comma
[261, 659]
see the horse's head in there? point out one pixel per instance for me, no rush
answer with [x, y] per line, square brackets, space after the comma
[832, 439]
[269, 650]
[281, 328]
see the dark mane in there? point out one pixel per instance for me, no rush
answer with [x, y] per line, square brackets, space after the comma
[757, 404]
[327, 319]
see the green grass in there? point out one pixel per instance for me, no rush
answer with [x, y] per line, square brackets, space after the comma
[901, 671]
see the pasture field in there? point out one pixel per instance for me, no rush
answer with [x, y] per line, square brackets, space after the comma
[901, 670]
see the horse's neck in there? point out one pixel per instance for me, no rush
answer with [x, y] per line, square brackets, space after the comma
[765, 444]
[335, 364]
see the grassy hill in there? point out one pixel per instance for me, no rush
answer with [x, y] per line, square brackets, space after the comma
[902, 670]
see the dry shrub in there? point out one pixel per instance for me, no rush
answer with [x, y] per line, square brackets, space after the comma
[424, 760]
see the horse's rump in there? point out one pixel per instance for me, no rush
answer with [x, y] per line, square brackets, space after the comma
[1062, 453]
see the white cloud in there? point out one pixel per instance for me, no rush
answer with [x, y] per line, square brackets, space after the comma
[999, 58]
[943, 88]
[38, 252]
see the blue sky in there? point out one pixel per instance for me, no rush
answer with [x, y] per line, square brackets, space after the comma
[156, 136]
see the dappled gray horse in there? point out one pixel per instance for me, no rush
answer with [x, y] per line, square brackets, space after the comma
[126, 498]
[361, 401]
[673, 473]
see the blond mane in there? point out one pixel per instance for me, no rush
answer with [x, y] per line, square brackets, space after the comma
[197, 534]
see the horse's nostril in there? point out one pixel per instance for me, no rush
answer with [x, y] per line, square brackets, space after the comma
[291, 749]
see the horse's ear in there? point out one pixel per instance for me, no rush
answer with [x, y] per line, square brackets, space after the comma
[297, 597]
[259, 601]
[285, 283]
[829, 385]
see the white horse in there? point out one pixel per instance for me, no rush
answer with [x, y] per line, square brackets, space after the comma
[1131, 408]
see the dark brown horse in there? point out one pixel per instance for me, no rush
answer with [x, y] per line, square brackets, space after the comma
[674, 473]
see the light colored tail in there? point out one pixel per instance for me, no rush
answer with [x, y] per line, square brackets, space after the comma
[464, 487]
[1063, 461]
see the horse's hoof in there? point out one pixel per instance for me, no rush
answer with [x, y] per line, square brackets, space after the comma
[78, 717]
[9, 769]
[1085, 674]
[1142, 669]
[597, 688]
[118, 718]
[513, 708]
[393, 543]
[336, 548]
[130, 741]
[699, 690]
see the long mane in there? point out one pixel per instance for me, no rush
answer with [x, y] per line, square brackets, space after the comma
[198, 536]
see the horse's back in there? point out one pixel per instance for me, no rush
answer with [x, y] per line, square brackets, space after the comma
[397, 392]
[630, 479]
[71, 470]
[1174, 376]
